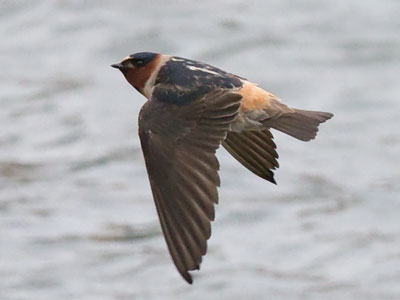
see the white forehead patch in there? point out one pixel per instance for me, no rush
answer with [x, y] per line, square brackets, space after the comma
[126, 58]
[193, 68]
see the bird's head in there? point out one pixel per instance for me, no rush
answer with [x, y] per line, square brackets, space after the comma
[137, 68]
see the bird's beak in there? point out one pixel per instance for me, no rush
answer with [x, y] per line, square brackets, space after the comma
[121, 67]
[118, 66]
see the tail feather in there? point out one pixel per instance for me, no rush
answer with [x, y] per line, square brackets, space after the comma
[301, 124]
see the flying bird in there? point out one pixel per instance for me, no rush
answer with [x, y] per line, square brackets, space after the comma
[191, 109]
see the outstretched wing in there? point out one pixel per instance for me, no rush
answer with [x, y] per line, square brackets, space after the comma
[255, 150]
[179, 144]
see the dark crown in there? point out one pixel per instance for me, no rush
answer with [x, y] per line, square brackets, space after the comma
[143, 57]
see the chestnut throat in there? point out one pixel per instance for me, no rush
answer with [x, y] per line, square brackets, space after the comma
[139, 76]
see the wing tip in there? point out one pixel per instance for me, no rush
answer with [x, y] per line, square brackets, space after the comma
[269, 177]
[188, 278]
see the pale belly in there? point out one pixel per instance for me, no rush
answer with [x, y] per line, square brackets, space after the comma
[248, 121]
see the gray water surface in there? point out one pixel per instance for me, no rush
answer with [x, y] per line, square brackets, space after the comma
[77, 219]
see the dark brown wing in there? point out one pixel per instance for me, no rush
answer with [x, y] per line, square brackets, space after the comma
[179, 144]
[255, 150]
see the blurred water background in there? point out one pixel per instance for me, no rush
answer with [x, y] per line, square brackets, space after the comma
[77, 219]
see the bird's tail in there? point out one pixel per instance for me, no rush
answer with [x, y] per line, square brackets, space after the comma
[301, 124]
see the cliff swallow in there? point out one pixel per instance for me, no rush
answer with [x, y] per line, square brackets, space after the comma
[192, 109]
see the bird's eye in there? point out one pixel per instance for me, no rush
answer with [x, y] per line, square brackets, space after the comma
[139, 62]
